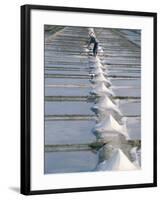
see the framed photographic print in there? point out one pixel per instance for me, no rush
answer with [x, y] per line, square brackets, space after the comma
[88, 99]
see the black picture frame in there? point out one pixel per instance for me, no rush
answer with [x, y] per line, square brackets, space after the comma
[26, 98]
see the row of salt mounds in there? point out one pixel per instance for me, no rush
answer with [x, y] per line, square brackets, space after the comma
[108, 126]
[99, 74]
[114, 159]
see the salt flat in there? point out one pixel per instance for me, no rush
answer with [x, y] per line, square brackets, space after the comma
[68, 116]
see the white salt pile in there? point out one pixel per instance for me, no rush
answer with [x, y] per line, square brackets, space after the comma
[100, 49]
[118, 161]
[95, 65]
[98, 70]
[101, 89]
[105, 104]
[110, 126]
[99, 79]
[86, 49]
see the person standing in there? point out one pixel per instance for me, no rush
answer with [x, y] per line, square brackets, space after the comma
[94, 41]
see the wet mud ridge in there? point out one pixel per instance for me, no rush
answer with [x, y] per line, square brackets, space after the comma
[92, 104]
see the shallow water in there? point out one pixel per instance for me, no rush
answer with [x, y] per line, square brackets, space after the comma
[133, 82]
[134, 128]
[68, 108]
[77, 161]
[58, 91]
[127, 92]
[69, 132]
[130, 107]
[66, 81]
